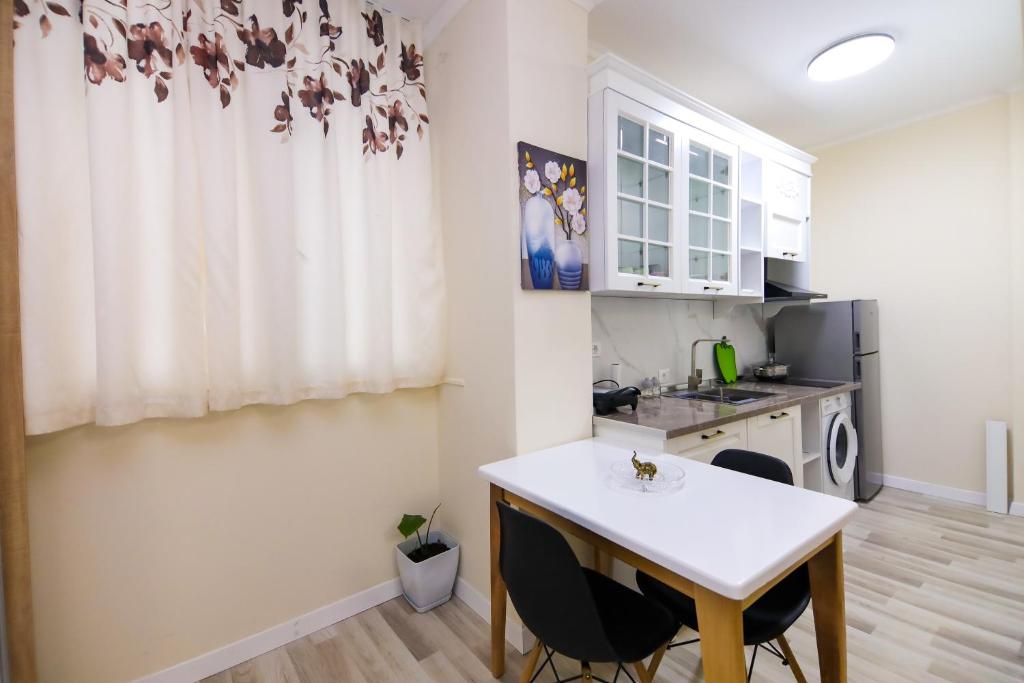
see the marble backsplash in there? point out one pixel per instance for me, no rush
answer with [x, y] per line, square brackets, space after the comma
[645, 335]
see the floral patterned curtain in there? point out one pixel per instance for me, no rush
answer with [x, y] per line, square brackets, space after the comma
[221, 202]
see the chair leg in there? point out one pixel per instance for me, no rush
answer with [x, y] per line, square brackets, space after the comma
[750, 671]
[531, 663]
[585, 674]
[791, 658]
[652, 668]
[643, 673]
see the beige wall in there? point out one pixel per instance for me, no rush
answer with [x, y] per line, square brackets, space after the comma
[160, 541]
[1017, 286]
[918, 218]
[467, 70]
[524, 357]
[548, 101]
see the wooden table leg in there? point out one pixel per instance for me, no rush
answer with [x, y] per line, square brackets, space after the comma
[498, 590]
[829, 602]
[602, 562]
[721, 637]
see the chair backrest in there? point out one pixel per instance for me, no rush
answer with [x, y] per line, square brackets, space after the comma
[754, 464]
[549, 589]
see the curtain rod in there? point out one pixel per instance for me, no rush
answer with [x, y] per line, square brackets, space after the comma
[385, 9]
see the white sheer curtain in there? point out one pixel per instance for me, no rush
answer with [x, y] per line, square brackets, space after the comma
[221, 203]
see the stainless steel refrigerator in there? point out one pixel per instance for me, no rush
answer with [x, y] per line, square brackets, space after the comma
[839, 340]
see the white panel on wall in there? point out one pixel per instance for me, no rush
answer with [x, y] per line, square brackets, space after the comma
[646, 335]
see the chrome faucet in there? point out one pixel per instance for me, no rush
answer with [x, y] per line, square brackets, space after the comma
[696, 374]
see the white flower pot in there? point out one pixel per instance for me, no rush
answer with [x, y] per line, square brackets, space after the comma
[569, 264]
[429, 583]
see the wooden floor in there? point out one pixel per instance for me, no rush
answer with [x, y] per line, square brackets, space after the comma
[934, 592]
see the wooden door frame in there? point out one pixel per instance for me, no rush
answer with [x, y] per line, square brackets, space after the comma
[17, 577]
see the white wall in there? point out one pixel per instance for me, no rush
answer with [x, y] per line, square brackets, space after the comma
[160, 541]
[918, 217]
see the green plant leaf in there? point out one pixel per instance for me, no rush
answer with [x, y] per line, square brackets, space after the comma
[410, 524]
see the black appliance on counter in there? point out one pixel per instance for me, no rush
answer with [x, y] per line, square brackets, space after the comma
[608, 400]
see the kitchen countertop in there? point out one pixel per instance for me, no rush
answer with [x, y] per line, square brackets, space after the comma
[668, 417]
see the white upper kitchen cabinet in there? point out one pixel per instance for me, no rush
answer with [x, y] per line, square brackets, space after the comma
[643, 202]
[683, 198]
[789, 213]
[711, 215]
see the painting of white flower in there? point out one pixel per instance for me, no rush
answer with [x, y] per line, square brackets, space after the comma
[531, 181]
[554, 231]
[572, 201]
[579, 224]
[552, 172]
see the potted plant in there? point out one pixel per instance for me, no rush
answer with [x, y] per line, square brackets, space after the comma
[427, 563]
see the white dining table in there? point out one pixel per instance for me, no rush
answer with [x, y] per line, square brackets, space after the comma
[723, 538]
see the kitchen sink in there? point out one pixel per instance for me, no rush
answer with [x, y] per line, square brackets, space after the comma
[733, 397]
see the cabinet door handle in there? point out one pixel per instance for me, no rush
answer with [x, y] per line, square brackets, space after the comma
[648, 284]
[717, 435]
[714, 289]
[778, 416]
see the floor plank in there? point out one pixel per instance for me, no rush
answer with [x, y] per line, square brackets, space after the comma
[934, 591]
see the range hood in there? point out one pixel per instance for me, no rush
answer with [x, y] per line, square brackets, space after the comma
[780, 291]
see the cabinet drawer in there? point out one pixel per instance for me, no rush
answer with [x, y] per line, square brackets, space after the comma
[706, 444]
[785, 415]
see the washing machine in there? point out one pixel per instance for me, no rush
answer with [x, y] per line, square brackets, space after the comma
[838, 446]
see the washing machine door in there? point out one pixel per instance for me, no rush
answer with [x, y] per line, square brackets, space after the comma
[842, 449]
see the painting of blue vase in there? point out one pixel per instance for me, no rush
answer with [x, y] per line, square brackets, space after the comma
[539, 236]
[554, 234]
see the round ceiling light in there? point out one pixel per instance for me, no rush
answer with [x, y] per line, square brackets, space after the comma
[850, 57]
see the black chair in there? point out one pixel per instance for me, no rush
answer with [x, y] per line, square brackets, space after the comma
[573, 610]
[773, 613]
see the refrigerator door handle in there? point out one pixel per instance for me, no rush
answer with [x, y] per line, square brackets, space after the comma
[856, 368]
[856, 342]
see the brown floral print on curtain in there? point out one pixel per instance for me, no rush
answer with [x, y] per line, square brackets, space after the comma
[375, 27]
[100, 64]
[262, 46]
[225, 44]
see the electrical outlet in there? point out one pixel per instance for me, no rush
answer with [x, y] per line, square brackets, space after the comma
[663, 376]
[595, 349]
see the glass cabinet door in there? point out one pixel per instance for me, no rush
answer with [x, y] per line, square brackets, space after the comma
[643, 235]
[711, 215]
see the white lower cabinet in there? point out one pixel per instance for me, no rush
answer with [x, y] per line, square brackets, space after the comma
[777, 433]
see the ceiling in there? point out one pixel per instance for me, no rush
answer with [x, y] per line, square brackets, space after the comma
[433, 14]
[749, 57]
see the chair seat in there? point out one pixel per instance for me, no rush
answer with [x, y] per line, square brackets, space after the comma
[635, 625]
[769, 617]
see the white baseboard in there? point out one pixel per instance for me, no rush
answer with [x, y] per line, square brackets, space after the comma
[1017, 509]
[947, 492]
[252, 646]
[517, 635]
